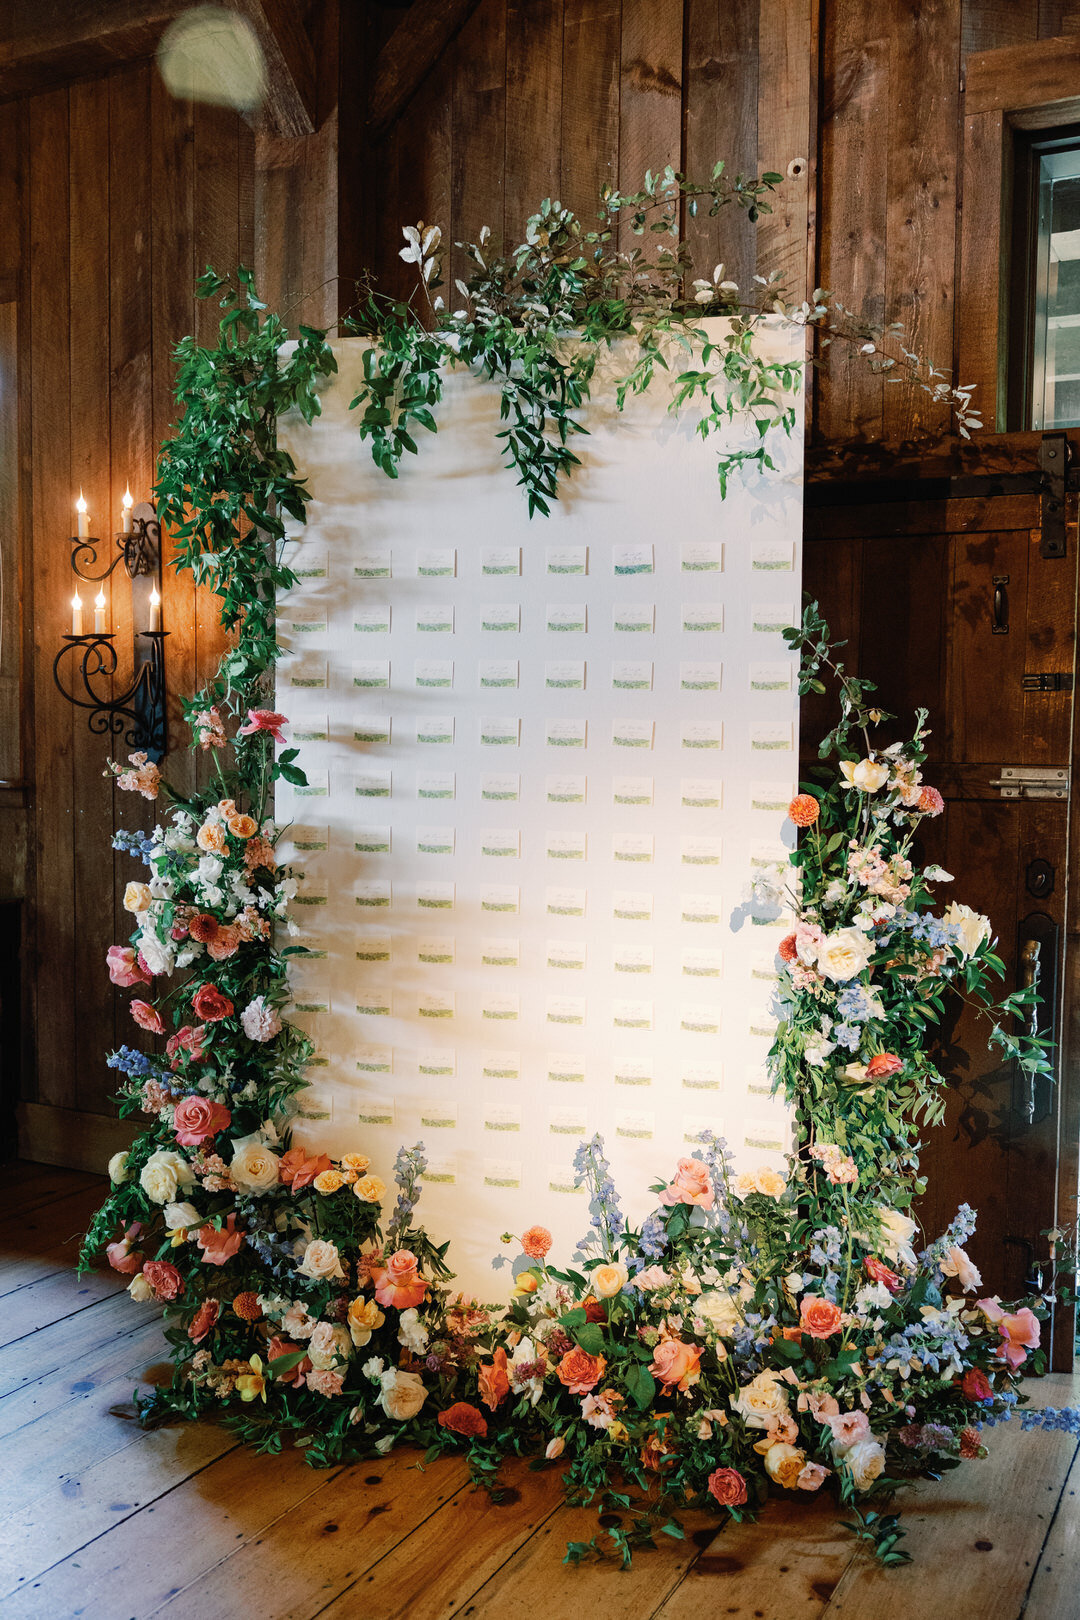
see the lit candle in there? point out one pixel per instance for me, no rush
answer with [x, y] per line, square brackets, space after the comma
[84, 517]
[76, 613]
[155, 609]
[127, 503]
[99, 613]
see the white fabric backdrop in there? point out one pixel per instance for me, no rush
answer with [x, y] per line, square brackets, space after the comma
[545, 760]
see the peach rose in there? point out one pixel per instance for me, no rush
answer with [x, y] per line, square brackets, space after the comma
[676, 1363]
[398, 1282]
[369, 1189]
[211, 838]
[609, 1280]
[784, 1464]
[196, 1119]
[328, 1181]
[357, 1162]
[147, 1017]
[120, 1254]
[225, 943]
[1019, 1330]
[218, 1247]
[727, 1486]
[883, 1064]
[165, 1281]
[819, 1317]
[690, 1186]
[243, 826]
[579, 1372]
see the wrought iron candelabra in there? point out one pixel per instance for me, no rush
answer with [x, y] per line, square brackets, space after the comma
[85, 665]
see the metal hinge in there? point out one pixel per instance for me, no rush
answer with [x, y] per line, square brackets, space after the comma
[1032, 781]
[1053, 464]
[1047, 681]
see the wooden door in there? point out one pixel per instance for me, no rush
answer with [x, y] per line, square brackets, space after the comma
[950, 598]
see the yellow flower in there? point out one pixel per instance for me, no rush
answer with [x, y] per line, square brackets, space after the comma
[137, 897]
[328, 1181]
[783, 1463]
[252, 1385]
[364, 1317]
[608, 1280]
[618, 1432]
[527, 1282]
[866, 775]
[369, 1189]
[355, 1161]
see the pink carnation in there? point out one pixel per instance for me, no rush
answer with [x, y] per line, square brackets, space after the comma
[325, 1382]
[260, 1022]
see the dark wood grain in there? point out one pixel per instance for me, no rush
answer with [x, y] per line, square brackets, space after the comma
[410, 53]
[534, 58]
[478, 159]
[650, 95]
[721, 123]
[590, 103]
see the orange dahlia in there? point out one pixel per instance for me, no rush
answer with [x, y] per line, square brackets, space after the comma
[804, 809]
[247, 1307]
[536, 1242]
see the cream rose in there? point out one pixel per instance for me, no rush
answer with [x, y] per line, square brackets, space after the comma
[866, 1460]
[328, 1345]
[844, 954]
[608, 1280]
[254, 1168]
[973, 926]
[769, 1181]
[321, 1261]
[164, 1174]
[784, 1464]
[118, 1169]
[958, 1263]
[402, 1394]
[720, 1311]
[866, 775]
[139, 1288]
[180, 1216]
[760, 1402]
[898, 1231]
[137, 897]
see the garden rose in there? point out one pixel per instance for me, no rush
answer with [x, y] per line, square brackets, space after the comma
[883, 1064]
[720, 1311]
[147, 1017]
[254, 1167]
[957, 1263]
[328, 1345]
[398, 1282]
[209, 1005]
[401, 1394]
[321, 1261]
[676, 1363]
[124, 966]
[165, 1281]
[263, 720]
[652, 1277]
[1019, 1330]
[494, 1380]
[369, 1189]
[260, 1022]
[727, 1486]
[278, 1348]
[784, 1464]
[866, 1460]
[197, 1119]
[819, 1317]
[140, 1289]
[164, 1174]
[120, 1254]
[118, 1169]
[461, 1418]
[609, 1280]
[218, 1247]
[974, 929]
[880, 1272]
[364, 1317]
[242, 826]
[866, 775]
[691, 1185]
[765, 1180]
[204, 1321]
[976, 1386]
[189, 1039]
[579, 1372]
[761, 1402]
[225, 943]
[137, 898]
[211, 838]
[536, 1242]
[328, 1181]
[842, 955]
[357, 1163]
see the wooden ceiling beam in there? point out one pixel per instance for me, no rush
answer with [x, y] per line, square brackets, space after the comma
[50, 42]
[409, 55]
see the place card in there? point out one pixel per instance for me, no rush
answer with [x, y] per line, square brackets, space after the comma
[373, 894]
[375, 562]
[500, 952]
[631, 905]
[565, 1010]
[502, 1172]
[631, 559]
[566, 953]
[435, 618]
[372, 673]
[500, 841]
[498, 672]
[769, 618]
[702, 734]
[561, 733]
[435, 1004]
[566, 789]
[700, 677]
[435, 948]
[504, 1009]
[499, 731]
[504, 787]
[500, 1065]
[568, 1121]
[434, 672]
[500, 617]
[566, 846]
[500, 560]
[567, 559]
[772, 556]
[372, 840]
[438, 1060]
[699, 908]
[438, 1114]
[701, 851]
[632, 790]
[631, 676]
[702, 964]
[697, 1018]
[436, 784]
[372, 620]
[500, 897]
[634, 617]
[702, 617]
[368, 728]
[373, 784]
[567, 674]
[373, 945]
[632, 733]
[770, 677]
[635, 1123]
[632, 1072]
[435, 896]
[566, 1068]
[701, 557]
[565, 902]
[436, 729]
[436, 562]
[434, 840]
[563, 618]
[632, 1014]
[633, 959]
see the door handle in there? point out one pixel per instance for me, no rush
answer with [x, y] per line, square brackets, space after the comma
[999, 612]
[1037, 953]
[1029, 978]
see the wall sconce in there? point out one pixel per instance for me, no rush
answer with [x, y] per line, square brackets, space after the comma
[88, 661]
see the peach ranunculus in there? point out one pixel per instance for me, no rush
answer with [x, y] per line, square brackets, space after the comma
[727, 1486]
[209, 1005]
[536, 1242]
[579, 1372]
[196, 1119]
[124, 966]
[764, 1180]
[1019, 1330]
[218, 1247]
[494, 1380]
[298, 1169]
[676, 1363]
[819, 1317]
[398, 1283]
[691, 1185]
[463, 1419]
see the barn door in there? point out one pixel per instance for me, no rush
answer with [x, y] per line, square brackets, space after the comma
[958, 593]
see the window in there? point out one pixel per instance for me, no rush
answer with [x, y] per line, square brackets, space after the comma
[1044, 368]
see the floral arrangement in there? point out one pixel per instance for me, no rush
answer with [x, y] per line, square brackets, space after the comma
[760, 1331]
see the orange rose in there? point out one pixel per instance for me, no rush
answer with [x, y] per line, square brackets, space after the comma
[243, 826]
[579, 1371]
[494, 1381]
[882, 1064]
[676, 1363]
[398, 1282]
[461, 1418]
[819, 1317]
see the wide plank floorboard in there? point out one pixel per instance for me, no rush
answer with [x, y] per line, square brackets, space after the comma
[101, 1520]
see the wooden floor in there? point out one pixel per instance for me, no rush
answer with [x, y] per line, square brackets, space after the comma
[98, 1519]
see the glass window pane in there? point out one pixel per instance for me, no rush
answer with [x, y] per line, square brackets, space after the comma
[1056, 347]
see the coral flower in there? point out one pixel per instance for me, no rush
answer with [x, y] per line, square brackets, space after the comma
[203, 927]
[210, 1005]
[279, 1347]
[204, 1321]
[930, 802]
[398, 1283]
[880, 1272]
[461, 1418]
[976, 1386]
[690, 1186]
[804, 810]
[242, 826]
[882, 1064]
[218, 1247]
[818, 1316]
[676, 1363]
[1019, 1330]
[788, 948]
[165, 1281]
[125, 967]
[120, 1254]
[196, 1119]
[579, 1372]
[494, 1380]
[298, 1169]
[264, 720]
[536, 1242]
[727, 1486]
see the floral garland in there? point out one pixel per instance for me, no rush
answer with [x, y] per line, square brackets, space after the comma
[758, 1331]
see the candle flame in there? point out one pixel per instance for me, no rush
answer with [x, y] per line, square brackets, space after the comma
[99, 599]
[155, 599]
[80, 504]
[76, 600]
[126, 500]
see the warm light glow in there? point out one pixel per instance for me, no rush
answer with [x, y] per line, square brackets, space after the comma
[99, 600]
[76, 601]
[80, 504]
[155, 599]
[126, 499]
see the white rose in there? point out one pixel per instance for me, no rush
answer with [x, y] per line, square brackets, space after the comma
[411, 1331]
[402, 1394]
[118, 1169]
[180, 1215]
[321, 1261]
[328, 1345]
[866, 775]
[974, 927]
[139, 1288]
[958, 1263]
[842, 955]
[159, 958]
[866, 1459]
[720, 1311]
[761, 1401]
[164, 1174]
[898, 1231]
[254, 1168]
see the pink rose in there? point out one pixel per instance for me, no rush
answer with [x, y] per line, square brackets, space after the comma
[264, 720]
[218, 1247]
[190, 1040]
[120, 1254]
[125, 968]
[676, 1363]
[690, 1186]
[165, 1281]
[819, 1317]
[398, 1282]
[1020, 1331]
[147, 1017]
[196, 1119]
[727, 1486]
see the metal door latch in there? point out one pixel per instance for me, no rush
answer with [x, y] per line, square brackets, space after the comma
[1047, 681]
[1032, 782]
[1053, 465]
